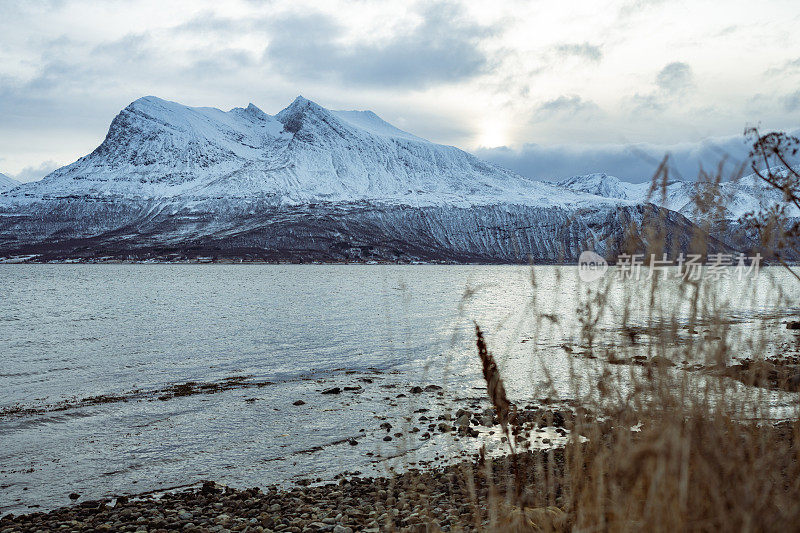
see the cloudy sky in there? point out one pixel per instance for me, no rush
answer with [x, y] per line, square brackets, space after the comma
[546, 88]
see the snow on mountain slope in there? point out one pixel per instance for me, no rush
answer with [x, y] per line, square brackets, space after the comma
[156, 148]
[747, 194]
[305, 153]
[751, 194]
[7, 183]
[601, 184]
[307, 184]
[372, 123]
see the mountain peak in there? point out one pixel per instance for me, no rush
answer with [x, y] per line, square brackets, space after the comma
[598, 183]
[149, 101]
[162, 110]
[293, 116]
[255, 111]
[301, 101]
[300, 105]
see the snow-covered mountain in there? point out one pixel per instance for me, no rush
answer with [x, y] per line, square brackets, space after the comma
[305, 153]
[601, 184]
[306, 183]
[7, 183]
[736, 197]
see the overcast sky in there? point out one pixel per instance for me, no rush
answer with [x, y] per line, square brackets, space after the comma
[546, 88]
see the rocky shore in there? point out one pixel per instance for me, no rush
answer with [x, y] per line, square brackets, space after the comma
[469, 496]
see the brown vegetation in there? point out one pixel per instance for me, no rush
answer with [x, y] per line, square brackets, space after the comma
[673, 444]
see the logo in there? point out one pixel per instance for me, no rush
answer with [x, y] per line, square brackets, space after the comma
[591, 266]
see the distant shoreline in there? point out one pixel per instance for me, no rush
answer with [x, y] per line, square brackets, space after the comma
[226, 261]
[14, 261]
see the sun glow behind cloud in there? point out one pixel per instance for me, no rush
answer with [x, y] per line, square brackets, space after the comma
[492, 133]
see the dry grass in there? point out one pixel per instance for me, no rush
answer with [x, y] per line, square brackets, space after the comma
[693, 466]
[707, 453]
[494, 382]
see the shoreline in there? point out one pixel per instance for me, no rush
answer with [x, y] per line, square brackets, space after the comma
[449, 429]
[27, 260]
[12, 261]
[174, 259]
[465, 495]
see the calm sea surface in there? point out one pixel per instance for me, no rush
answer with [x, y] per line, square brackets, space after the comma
[272, 335]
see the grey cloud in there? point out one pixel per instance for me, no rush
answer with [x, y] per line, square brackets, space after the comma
[565, 105]
[675, 77]
[758, 104]
[72, 65]
[39, 171]
[587, 51]
[672, 82]
[632, 7]
[209, 22]
[77, 86]
[631, 162]
[443, 48]
[788, 67]
[651, 102]
[129, 49]
[728, 30]
[16, 8]
[778, 107]
[227, 60]
[73, 73]
[791, 102]
[138, 51]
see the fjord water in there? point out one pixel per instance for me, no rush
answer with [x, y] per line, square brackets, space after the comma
[69, 332]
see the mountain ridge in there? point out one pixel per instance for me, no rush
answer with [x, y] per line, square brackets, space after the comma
[737, 197]
[304, 184]
[303, 153]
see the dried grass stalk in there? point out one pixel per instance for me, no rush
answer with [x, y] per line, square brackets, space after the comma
[494, 382]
